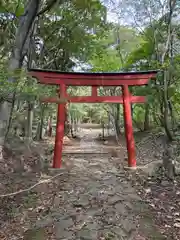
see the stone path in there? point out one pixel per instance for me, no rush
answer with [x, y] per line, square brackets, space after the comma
[96, 202]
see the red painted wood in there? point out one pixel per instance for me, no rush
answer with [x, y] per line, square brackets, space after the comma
[61, 115]
[94, 80]
[128, 127]
[98, 99]
[90, 82]
[94, 92]
[92, 76]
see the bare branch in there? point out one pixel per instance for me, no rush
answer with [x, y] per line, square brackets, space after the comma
[32, 187]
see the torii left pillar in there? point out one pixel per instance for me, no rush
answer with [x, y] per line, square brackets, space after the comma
[128, 126]
[61, 116]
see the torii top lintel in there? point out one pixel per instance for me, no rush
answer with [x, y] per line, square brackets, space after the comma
[92, 79]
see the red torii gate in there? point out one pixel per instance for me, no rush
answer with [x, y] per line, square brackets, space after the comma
[95, 80]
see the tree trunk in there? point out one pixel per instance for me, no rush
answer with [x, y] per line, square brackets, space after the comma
[109, 125]
[41, 126]
[71, 126]
[161, 118]
[117, 120]
[166, 108]
[49, 127]
[172, 4]
[173, 119]
[146, 118]
[29, 123]
[16, 61]
[132, 110]
[39, 131]
[103, 130]
[75, 124]
[10, 117]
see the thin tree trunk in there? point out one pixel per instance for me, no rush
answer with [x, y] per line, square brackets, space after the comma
[29, 124]
[146, 118]
[132, 110]
[172, 4]
[166, 107]
[39, 132]
[50, 127]
[103, 132]
[173, 120]
[75, 123]
[117, 120]
[109, 124]
[10, 117]
[41, 126]
[71, 126]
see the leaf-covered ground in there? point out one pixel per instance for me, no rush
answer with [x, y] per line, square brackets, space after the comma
[91, 197]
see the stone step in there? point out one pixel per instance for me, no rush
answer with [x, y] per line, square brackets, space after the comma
[85, 152]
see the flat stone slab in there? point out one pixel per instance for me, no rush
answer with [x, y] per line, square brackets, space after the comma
[84, 152]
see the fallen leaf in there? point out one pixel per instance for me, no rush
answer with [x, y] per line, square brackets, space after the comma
[148, 190]
[177, 220]
[177, 225]
[152, 205]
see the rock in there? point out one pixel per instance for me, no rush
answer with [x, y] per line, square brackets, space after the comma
[115, 199]
[113, 170]
[152, 168]
[68, 235]
[94, 212]
[92, 226]
[164, 183]
[83, 201]
[128, 225]
[62, 229]
[35, 234]
[157, 154]
[121, 208]
[57, 201]
[65, 223]
[114, 153]
[83, 217]
[87, 234]
[66, 141]
[111, 192]
[134, 197]
[44, 222]
[119, 232]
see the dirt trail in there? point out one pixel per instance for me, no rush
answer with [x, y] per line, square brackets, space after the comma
[94, 201]
[109, 207]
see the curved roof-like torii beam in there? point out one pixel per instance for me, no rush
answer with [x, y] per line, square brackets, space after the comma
[89, 79]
